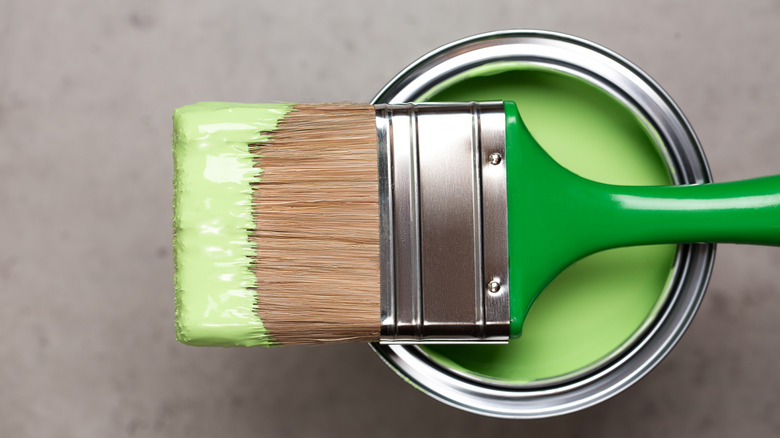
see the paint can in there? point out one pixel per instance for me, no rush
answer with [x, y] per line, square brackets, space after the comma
[570, 91]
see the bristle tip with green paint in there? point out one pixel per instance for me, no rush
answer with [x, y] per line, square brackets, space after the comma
[213, 175]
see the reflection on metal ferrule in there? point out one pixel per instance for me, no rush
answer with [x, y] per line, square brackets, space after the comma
[443, 223]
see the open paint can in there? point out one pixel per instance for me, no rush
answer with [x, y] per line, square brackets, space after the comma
[610, 318]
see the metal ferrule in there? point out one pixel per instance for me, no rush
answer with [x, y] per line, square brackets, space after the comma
[443, 223]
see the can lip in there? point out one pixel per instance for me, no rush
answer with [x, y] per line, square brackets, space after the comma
[693, 264]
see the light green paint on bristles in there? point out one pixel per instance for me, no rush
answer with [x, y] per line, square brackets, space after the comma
[212, 219]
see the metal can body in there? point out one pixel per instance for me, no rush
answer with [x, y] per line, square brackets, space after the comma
[677, 303]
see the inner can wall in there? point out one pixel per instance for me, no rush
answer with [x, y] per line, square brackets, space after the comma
[432, 370]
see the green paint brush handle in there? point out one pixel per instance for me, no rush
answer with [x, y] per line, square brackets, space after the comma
[557, 217]
[734, 212]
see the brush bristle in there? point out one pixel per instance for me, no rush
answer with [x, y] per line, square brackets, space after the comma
[317, 226]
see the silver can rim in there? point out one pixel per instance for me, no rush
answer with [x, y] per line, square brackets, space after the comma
[692, 268]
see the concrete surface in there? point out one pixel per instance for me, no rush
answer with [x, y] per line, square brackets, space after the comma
[87, 88]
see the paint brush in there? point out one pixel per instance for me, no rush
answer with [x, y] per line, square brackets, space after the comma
[412, 223]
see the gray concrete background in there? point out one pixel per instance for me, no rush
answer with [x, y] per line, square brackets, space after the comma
[87, 89]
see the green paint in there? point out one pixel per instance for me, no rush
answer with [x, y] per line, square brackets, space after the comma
[601, 303]
[212, 204]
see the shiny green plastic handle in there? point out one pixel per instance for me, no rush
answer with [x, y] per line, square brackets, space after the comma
[557, 217]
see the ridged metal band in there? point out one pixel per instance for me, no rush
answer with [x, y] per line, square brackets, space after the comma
[443, 223]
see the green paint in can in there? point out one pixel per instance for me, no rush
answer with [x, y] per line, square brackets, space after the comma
[586, 315]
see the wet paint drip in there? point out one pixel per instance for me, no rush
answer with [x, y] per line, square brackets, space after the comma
[599, 305]
[214, 168]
